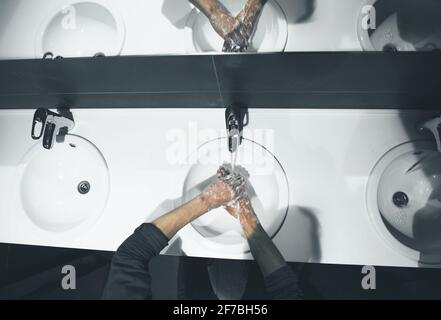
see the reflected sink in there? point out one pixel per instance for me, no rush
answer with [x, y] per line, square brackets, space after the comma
[271, 33]
[82, 29]
[64, 188]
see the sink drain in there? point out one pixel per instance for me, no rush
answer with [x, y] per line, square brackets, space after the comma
[400, 199]
[83, 187]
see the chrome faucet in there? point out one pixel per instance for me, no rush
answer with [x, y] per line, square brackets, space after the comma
[235, 119]
[434, 126]
[50, 125]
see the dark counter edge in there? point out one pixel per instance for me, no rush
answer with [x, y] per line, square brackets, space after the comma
[324, 80]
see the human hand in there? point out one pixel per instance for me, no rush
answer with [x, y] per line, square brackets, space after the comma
[242, 210]
[228, 187]
[229, 28]
[230, 46]
[248, 18]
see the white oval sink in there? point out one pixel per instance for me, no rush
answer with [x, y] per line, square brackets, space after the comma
[410, 186]
[270, 36]
[399, 27]
[404, 199]
[63, 188]
[82, 29]
[267, 187]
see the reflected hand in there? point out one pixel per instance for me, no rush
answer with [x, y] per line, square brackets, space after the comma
[229, 28]
[248, 18]
[231, 46]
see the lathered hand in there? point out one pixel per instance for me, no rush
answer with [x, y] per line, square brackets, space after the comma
[229, 29]
[228, 187]
[244, 212]
[248, 19]
[227, 26]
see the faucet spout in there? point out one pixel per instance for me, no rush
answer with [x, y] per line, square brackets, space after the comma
[234, 140]
[235, 119]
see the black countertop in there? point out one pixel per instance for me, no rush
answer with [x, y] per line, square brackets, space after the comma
[341, 80]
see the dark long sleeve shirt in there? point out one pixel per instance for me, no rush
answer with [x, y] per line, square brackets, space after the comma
[129, 276]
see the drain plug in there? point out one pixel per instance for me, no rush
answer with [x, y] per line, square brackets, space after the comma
[83, 187]
[400, 199]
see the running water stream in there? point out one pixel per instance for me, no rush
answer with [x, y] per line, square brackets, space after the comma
[233, 159]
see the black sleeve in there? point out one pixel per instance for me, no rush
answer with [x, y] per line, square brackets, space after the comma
[129, 276]
[283, 284]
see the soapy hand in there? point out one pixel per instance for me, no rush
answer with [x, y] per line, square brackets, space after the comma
[242, 210]
[238, 36]
[248, 18]
[228, 187]
[236, 31]
[229, 28]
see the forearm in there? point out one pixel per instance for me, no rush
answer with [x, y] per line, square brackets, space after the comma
[281, 282]
[262, 248]
[252, 10]
[227, 187]
[208, 7]
[222, 22]
[170, 223]
[129, 274]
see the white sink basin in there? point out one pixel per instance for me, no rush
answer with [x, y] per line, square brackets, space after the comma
[64, 188]
[267, 188]
[82, 29]
[404, 200]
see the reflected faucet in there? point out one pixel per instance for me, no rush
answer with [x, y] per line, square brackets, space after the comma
[49, 125]
[235, 119]
[434, 126]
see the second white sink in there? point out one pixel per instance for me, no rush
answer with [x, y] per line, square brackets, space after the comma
[81, 29]
[63, 188]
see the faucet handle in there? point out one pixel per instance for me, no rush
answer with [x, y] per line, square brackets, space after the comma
[39, 122]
